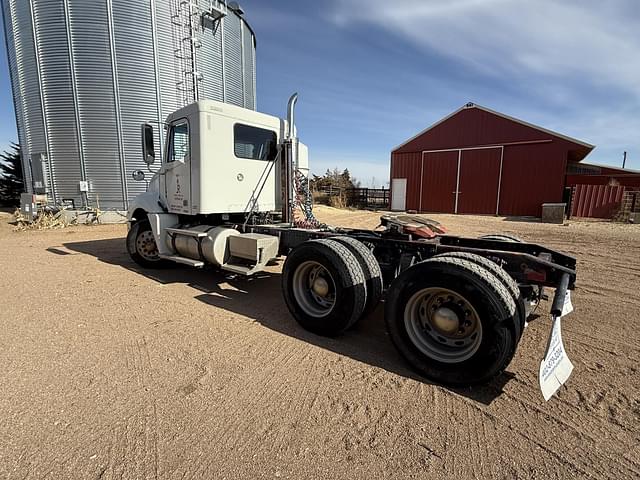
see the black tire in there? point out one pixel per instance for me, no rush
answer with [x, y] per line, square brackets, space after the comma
[490, 299]
[349, 295]
[502, 237]
[507, 280]
[370, 268]
[538, 291]
[137, 252]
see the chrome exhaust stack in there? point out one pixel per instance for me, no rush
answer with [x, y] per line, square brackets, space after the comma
[289, 162]
[291, 113]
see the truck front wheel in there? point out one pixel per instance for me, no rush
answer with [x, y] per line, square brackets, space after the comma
[141, 245]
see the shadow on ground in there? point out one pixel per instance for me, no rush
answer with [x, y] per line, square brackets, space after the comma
[522, 219]
[259, 298]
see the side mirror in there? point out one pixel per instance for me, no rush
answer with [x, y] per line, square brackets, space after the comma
[138, 175]
[148, 149]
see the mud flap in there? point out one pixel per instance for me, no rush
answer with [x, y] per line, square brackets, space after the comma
[555, 367]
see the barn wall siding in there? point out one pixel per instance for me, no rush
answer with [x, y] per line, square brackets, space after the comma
[407, 165]
[531, 175]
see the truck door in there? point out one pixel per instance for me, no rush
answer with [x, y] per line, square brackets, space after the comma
[177, 168]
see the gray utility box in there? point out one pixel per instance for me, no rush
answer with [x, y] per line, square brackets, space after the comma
[553, 212]
[30, 205]
[254, 247]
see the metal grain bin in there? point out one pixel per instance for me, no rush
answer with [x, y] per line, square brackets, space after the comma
[86, 74]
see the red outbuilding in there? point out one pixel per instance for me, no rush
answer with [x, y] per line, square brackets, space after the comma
[590, 174]
[477, 161]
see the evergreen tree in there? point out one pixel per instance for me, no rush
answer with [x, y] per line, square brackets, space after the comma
[11, 177]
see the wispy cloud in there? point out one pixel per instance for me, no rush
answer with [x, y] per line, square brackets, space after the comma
[555, 38]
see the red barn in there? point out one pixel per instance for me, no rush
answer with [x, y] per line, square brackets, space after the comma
[478, 161]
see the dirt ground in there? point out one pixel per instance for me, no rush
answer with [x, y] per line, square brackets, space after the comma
[109, 371]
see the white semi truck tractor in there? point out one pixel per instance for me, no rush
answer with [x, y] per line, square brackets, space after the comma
[230, 191]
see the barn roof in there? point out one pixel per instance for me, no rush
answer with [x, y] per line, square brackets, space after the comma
[583, 146]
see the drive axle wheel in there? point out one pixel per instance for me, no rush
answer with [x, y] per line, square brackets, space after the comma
[452, 320]
[506, 279]
[370, 268]
[141, 245]
[324, 286]
[443, 325]
[536, 291]
[314, 289]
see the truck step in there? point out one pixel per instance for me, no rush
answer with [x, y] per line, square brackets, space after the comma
[241, 269]
[186, 233]
[184, 260]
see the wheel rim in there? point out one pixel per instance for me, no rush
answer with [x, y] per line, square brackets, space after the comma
[146, 246]
[314, 289]
[443, 325]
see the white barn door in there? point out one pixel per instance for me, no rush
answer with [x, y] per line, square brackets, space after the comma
[398, 194]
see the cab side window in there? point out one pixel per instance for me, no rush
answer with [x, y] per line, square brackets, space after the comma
[179, 143]
[254, 143]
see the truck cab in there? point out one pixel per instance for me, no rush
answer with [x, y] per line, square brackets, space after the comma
[219, 160]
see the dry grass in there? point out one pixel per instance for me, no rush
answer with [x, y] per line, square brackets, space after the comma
[44, 221]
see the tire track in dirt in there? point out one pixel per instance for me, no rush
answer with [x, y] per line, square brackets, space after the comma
[570, 433]
[133, 447]
[597, 402]
[127, 448]
[240, 425]
[451, 404]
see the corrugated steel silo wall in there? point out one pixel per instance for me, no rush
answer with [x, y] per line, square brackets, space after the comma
[134, 52]
[86, 74]
[59, 99]
[95, 97]
[13, 73]
[249, 65]
[23, 69]
[233, 60]
[212, 63]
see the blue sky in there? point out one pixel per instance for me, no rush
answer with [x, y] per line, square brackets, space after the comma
[372, 73]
